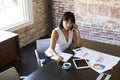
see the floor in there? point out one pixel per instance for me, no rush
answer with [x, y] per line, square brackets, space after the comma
[28, 60]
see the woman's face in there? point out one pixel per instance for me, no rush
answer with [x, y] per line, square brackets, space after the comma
[67, 24]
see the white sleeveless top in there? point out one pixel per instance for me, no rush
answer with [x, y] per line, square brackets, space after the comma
[61, 44]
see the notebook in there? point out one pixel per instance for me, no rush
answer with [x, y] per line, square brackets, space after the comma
[66, 56]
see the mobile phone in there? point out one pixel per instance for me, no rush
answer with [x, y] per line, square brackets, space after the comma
[71, 27]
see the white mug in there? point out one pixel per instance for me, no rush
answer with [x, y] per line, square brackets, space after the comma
[66, 66]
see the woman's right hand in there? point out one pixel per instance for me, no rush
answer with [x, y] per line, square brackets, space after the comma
[60, 58]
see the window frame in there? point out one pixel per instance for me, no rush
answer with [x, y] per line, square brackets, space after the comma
[28, 19]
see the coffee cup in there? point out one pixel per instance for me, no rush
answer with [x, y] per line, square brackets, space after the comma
[66, 66]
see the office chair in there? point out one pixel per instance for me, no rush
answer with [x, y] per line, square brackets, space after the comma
[41, 46]
[11, 74]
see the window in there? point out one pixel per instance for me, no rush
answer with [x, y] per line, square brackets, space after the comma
[15, 14]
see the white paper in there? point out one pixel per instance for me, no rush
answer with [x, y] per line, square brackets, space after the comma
[66, 56]
[96, 57]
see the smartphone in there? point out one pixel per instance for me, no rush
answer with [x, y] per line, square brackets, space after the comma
[71, 27]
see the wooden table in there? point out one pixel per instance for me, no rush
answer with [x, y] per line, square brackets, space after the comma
[53, 70]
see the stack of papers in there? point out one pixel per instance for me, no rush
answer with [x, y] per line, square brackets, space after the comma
[98, 61]
[66, 56]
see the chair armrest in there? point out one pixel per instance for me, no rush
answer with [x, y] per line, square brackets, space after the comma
[22, 77]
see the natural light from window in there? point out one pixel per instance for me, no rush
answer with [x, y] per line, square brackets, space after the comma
[13, 13]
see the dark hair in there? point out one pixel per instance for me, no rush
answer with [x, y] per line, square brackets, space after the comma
[66, 16]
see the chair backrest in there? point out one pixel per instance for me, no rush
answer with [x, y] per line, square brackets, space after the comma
[9, 74]
[42, 44]
[41, 47]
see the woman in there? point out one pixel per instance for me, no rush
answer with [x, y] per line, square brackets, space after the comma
[63, 36]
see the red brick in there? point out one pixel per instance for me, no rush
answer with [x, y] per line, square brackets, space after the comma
[115, 12]
[104, 0]
[104, 10]
[91, 15]
[82, 9]
[93, 9]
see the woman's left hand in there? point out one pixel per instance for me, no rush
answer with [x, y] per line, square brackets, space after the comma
[75, 27]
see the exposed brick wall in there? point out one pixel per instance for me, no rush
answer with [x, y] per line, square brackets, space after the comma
[30, 33]
[98, 20]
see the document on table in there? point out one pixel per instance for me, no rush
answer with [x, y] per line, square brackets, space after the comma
[98, 61]
[66, 56]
